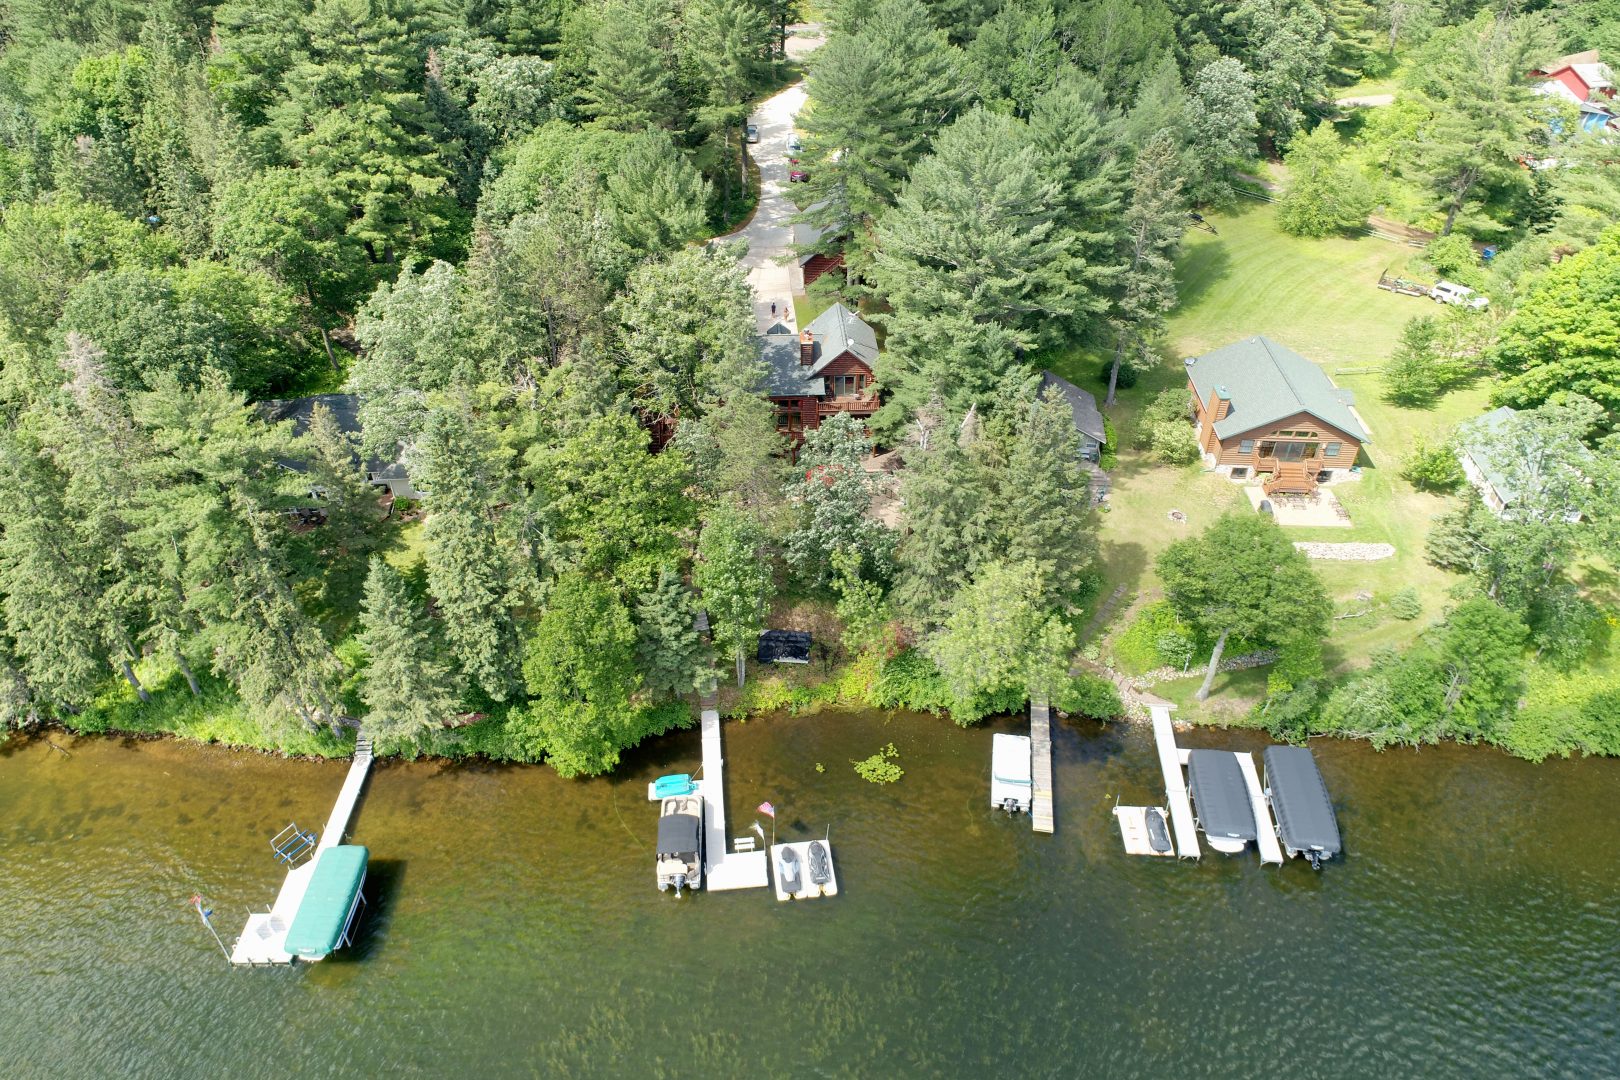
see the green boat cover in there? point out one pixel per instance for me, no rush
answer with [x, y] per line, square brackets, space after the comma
[318, 926]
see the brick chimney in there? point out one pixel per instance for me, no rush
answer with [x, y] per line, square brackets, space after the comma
[807, 348]
[1221, 404]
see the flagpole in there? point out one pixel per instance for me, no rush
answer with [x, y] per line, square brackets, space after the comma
[196, 902]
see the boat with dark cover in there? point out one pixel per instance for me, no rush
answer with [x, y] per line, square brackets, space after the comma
[1221, 799]
[820, 868]
[680, 843]
[1299, 798]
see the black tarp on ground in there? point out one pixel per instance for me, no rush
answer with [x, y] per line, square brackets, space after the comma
[1219, 794]
[1299, 799]
[784, 647]
[678, 835]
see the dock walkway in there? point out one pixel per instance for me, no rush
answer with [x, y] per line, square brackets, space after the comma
[1040, 749]
[1265, 829]
[724, 869]
[1175, 784]
[264, 937]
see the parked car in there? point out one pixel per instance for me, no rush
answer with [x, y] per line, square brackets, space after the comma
[752, 133]
[1449, 292]
[794, 145]
[798, 176]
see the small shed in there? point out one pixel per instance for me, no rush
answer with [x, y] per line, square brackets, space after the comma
[784, 647]
[1088, 419]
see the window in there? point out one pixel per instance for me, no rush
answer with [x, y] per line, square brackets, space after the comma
[787, 418]
[847, 385]
[1332, 450]
[1239, 472]
[1246, 447]
[1288, 451]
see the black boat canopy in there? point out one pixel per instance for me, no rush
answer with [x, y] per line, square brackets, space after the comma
[1220, 795]
[1300, 800]
[678, 834]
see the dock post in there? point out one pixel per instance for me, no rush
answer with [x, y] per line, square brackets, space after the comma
[1040, 748]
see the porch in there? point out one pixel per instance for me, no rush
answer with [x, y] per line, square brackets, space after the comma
[1318, 510]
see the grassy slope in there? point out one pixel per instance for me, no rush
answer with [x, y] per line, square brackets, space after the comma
[1317, 297]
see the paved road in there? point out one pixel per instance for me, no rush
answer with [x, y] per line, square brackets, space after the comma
[769, 233]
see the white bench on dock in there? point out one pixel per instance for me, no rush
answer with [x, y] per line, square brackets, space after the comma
[1040, 749]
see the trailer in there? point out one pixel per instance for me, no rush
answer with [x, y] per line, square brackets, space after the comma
[1403, 286]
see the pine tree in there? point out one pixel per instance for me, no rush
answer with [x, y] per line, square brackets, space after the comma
[945, 506]
[632, 81]
[407, 686]
[1155, 221]
[355, 112]
[1082, 141]
[466, 565]
[669, 649]
[1044, 496]
[336, 473]
[727, 42]
[881, 92]
[975, 265]
[49, 592]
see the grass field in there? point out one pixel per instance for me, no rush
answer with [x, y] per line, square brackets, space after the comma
[1319, 298]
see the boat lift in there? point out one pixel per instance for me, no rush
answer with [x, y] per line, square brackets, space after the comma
[292, 845]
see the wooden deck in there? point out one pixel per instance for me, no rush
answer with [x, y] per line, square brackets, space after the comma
[1040, 748]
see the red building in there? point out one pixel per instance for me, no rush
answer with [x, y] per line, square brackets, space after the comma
[825, 369]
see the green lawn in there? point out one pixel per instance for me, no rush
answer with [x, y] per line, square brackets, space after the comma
[1319, 298]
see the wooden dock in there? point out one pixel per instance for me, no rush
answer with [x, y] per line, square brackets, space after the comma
[1040, 748]
[265, 935]
[723, 869]
[1265, 829]
[1175, 784]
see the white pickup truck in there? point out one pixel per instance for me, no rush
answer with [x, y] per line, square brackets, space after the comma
[1449, 292]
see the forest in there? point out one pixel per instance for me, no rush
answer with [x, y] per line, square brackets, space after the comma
[497, 223]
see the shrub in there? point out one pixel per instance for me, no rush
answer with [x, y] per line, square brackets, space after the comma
[1136, 651]
[1174, 443]
[880, 767]
[1091, 696]
[1405, 604]
[1453, 257]
[1432, 467]
[1127, 374]
[910, 681]
[1168, 406]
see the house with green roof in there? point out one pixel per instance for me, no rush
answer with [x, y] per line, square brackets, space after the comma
[1265, 411]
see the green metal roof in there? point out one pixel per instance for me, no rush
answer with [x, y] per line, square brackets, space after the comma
[1266, 382]
[839, 330]
[318, 926]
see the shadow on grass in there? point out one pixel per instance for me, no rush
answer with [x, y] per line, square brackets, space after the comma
[1199, 270]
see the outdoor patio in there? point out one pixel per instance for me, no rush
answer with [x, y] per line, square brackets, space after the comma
[1320, 510]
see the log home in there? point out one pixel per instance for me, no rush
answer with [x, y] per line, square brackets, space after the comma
[825, 369]
[1263, 409]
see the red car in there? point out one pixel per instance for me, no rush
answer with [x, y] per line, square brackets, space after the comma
[798, 176]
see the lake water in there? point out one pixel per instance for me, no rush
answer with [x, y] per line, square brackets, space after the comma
[1472, 929]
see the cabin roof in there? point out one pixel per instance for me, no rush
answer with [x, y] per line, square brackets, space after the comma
[839, 330]
[1267, 382]
[785, 376]
[345, 409]
[1088, 419]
